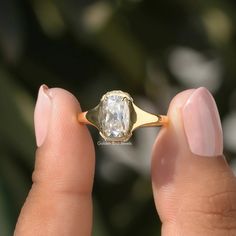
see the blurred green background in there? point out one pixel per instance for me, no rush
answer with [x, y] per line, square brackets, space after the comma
[151, 49]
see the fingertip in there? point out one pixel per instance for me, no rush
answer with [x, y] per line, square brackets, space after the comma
[67, 141]
[175, 122]
[47, 101]
[63, 94]
[176, 104]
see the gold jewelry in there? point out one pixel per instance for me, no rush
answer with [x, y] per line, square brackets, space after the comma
[116, 117]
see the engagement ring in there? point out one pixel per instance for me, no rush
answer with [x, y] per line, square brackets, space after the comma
[116, 117]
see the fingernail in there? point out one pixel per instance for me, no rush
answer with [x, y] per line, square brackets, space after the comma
[202, 124]
[42, 114]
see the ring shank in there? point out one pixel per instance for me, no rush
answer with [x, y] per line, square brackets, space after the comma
[146, 119]
[82, 118]
[164, 120]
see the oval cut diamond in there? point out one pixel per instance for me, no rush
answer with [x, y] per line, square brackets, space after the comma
[114, 115]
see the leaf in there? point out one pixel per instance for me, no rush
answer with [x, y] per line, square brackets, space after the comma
[11, 30]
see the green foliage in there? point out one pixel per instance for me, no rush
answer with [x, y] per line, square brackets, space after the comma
[90, 47]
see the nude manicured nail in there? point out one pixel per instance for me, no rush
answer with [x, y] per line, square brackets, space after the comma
[42, 114]
[202, 124]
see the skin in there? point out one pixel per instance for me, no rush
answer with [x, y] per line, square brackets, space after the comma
[194, 195]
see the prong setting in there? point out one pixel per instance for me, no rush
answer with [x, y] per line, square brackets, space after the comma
[116, 116]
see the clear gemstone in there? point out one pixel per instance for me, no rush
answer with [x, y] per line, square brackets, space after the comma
[114, 115]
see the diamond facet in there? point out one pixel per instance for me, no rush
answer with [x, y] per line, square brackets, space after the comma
[114, 115]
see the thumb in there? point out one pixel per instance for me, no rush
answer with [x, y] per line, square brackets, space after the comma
[194, 188]
[60, 201]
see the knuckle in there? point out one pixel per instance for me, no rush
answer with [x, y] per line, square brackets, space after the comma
[215, 213]
[222, 210]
